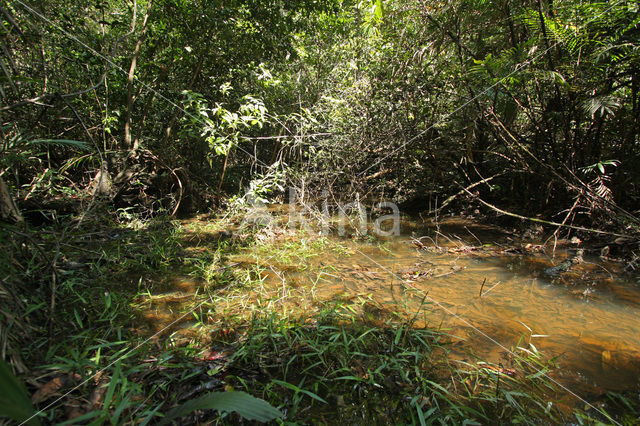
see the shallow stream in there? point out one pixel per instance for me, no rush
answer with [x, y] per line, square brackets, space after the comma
[489, 290]
[587, 317]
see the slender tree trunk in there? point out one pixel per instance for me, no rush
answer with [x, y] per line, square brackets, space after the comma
[128, 139]
[543, 26]
[635, 128]
[224, 170]
[512, 31]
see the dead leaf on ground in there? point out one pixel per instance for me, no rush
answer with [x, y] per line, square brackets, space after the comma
[52, 387]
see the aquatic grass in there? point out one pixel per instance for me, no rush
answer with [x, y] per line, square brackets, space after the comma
[337, 358]
[123, 254]
[206, 265]
[521, 391]
[332, 355]
[207, 225]
[293, 248]
[623, 408]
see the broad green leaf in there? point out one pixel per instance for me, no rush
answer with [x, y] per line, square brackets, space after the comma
[249, 407]
[14, 401]
[378, 11]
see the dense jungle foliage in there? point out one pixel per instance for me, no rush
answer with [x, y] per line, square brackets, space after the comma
[142, 111]
[178, 103]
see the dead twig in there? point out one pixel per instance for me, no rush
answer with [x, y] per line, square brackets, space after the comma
[457, 194]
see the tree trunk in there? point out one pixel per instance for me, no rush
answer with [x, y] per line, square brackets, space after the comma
[128, 139]
[8, 210]
[224, 170]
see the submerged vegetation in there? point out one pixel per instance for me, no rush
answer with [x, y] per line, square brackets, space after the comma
[142, 280]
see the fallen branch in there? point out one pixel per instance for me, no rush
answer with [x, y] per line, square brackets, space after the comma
[457, 194]
[377, 174]
[453, 270]
[546, 222]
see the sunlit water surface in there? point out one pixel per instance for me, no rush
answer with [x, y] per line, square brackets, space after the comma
[586, 317]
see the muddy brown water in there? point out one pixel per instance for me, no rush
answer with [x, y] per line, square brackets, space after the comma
[586, 317]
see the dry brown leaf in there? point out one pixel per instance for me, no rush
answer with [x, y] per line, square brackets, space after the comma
[53, 386]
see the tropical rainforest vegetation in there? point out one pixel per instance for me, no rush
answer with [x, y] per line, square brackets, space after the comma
[119, 117]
